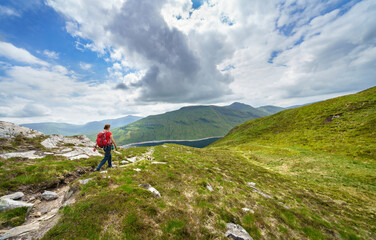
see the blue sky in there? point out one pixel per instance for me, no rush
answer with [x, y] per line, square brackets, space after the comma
[79, 60]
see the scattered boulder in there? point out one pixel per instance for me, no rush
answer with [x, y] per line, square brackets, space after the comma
[11, 130]
[7, 204]
[248, 210]
[124, 162]
[14, 196]
[48, 195]
[209, 187]
[158, 163]
[16, 232]
[137, 170]
[252, 185]
[151, 189]
[132, 159]
[237, 232]
[104, 171]
[85, 181]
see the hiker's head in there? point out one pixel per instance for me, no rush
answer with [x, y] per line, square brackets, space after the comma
[107, 127]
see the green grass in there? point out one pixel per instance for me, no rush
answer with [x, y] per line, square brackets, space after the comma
[117, 207]
[13, 217]
[351, 134]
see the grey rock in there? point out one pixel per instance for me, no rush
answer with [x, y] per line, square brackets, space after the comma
[237, 232]
[11, 130]
[158, 163]
[209, 187]
[80, 152]
[14, 196]
[132, 159]
[252, 185]
[151, 189]
[124, 162]
[54, 141]
[248, 210]
[85, 181]
[48, 195]
[7, 204]
[137, 170]
[17, 231]
[29, 155]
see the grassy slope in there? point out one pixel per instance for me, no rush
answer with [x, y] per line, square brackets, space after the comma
[352, 134]
[186, 123]
[116, 208]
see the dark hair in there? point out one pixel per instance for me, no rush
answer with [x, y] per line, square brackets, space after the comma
[107, 126]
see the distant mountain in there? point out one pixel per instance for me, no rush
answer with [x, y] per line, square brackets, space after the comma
[297, 106]
[271, 109]
[191, 122]
[67, 129]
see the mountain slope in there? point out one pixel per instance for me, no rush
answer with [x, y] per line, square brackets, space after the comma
[271, 109]
[344, 125]
[186, 123]
[67, 129]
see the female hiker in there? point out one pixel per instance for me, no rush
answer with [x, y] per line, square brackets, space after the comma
[105, 140]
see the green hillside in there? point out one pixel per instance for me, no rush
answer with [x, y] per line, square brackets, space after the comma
[186, 123]
[344, 125]
[271, 109]
[296, 172]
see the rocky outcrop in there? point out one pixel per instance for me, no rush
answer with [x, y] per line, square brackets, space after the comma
[11, 130]
[18, 231]
[55, 141]
[14, 196]
[76, 147]
[29, 155]
[237, 232]
[7, 204]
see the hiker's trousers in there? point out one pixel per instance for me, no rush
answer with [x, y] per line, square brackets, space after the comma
[107, 157]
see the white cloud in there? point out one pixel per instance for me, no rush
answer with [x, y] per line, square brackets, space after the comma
[51, 54]
[14, 53]
[6, 11]
[85, 66]
[282, 53]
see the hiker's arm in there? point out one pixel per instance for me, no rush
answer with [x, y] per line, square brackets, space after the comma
[112, 140]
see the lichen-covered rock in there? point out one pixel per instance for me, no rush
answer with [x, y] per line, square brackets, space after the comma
[210, 188]
[237, 232]
[248, 210]
[28, 155]
[85, 181]
[7, 204]
[55, 141]
[15, 233]
[14, 196]
[151, 189]
[11, 130]
[48, 195]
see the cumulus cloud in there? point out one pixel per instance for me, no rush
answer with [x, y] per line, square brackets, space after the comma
[85, 66]
[165, 52]
[176, 69]
[51, 54]
[14, 53]
[6, 11]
